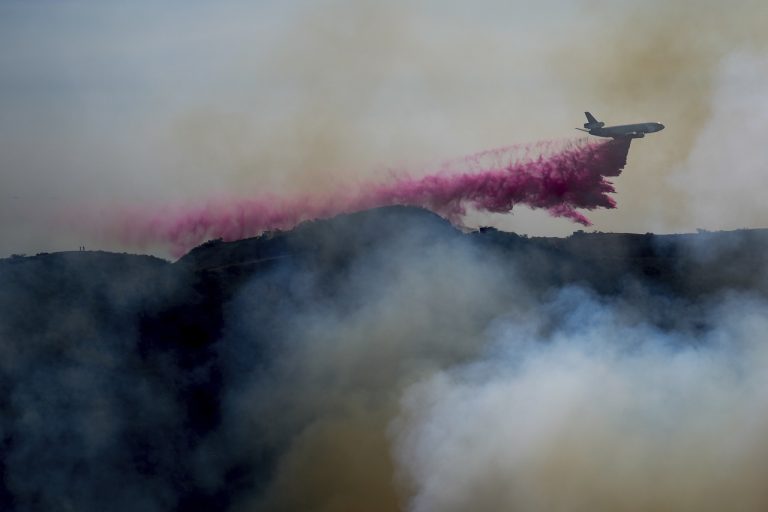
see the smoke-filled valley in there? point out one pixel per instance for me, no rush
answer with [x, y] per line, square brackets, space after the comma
[385, 360]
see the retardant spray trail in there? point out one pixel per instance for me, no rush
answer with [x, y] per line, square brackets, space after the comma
[560, 177]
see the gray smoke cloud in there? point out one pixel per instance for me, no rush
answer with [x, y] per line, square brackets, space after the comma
[438, 379]
[386, 362]
[596, 412]
[340, 360]
[723, 176]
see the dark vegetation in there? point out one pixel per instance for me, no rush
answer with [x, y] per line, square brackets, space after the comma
[113, 367]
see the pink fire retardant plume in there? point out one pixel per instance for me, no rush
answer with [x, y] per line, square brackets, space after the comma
[572, 177]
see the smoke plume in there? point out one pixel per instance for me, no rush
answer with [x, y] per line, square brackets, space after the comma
[557, 177]
[596, 412]
[438, 378]
[385, 361]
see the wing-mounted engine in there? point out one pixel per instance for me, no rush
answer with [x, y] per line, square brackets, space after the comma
[631, 135]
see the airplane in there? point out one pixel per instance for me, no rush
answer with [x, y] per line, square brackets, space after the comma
[631, 131]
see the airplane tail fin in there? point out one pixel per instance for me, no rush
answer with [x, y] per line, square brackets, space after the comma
[592, 122]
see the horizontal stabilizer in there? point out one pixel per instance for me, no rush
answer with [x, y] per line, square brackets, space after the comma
[592, 122]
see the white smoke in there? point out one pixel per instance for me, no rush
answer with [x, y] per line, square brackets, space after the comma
[726, 174]
[599, 413]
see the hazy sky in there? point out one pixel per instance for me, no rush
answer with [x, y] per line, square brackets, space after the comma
[114, 103]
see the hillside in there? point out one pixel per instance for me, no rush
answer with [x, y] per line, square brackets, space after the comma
[133, 383]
